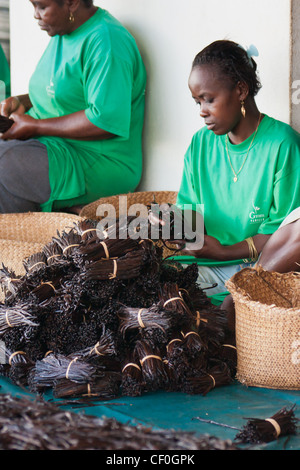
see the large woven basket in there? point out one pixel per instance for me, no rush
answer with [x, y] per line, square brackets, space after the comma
[24, 234]
[267, 307]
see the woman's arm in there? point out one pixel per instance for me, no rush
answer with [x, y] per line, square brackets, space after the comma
[208, 246]
[212, 249]
[72, 126]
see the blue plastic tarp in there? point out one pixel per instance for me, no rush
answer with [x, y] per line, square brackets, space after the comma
[228, 405]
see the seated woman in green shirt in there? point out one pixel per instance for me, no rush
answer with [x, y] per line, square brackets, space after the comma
[243, 167]
[77, 136]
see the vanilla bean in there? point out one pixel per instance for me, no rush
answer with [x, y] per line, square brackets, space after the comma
[132, 319]
[152, 365]
[132, 377]
[125, 267]
[39, 425]
[15, 317]
[258, 430]
[104, 386]
[35, 262]
[208, 380]
[9, 281]
[96, 249]
[68, 242]
[56, 366]
[53, 253]
[104, 347]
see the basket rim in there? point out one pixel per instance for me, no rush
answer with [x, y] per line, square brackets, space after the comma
[239, 294]
[137, 196]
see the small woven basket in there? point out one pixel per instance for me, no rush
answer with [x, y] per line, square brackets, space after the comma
[267, 309]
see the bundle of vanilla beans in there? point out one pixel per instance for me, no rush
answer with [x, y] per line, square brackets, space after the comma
[97, 316]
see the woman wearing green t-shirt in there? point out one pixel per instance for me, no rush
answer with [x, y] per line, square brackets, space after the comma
[242, 168]
[77, 136]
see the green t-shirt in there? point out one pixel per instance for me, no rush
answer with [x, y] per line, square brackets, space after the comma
[267, 190]
[96, 68]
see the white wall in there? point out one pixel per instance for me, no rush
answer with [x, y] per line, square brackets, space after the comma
[169, 34]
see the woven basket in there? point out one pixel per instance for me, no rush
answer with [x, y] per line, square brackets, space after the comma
[34, 227]
[24, 234]
[267, 307]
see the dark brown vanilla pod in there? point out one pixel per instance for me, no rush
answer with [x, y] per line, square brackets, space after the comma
[142, 319]
[46, 289]
[9, 282]
[132, 377]
[11, 358]
[19, 366]
[87, 229]
[175, 362]
[18, 316]
[228, 353]
[171, 300]
[175, 225]
[124, 227]
[206, 381]
[192, 343]
[5, 123]
[258, 430]
[55, 367]
[40, 425]
[209, 319]
[34, 262]
[106, 346]
[53, 253]
[96, 249]
[103, 386]
[125, 267]
[185, 357]
[152, 365]
[68, 242]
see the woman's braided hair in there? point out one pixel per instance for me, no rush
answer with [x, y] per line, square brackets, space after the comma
[87, 3]
[233, 62]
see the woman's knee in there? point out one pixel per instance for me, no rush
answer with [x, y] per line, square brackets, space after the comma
[24, 172]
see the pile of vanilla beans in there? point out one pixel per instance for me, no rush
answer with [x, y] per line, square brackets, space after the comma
[39, 425]
[98, 315]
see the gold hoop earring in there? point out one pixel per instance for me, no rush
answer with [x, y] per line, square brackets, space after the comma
[71, 18]
[243, 110]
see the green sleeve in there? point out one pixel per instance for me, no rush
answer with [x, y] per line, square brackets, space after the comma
[4, 75]
[286, 187]
[108, 84]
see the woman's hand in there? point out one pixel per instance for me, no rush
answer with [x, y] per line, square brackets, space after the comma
[24, 127]
[11, 105]
[211, 248]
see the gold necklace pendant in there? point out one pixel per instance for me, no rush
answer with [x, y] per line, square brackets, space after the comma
[229, 159]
